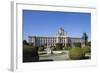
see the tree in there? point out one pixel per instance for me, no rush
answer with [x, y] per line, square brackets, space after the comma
[68, 45]
[53, 47]
[25, 42]
[41, 48]
[78, 44]
[59, 46]
[89, 43]
[85, 37]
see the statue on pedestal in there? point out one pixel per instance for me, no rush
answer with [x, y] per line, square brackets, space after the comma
[48, 49]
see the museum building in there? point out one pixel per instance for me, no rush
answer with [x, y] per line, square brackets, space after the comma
[61, 37]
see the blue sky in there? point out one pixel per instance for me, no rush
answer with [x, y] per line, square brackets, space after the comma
[47, 23]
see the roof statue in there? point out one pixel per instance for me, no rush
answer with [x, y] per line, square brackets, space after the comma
[61, 32]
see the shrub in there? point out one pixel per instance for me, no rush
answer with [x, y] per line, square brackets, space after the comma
[76, 53]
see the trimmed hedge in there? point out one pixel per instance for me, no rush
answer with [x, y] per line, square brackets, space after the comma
[76, 53]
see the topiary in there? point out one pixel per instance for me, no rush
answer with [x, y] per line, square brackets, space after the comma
[76, 53]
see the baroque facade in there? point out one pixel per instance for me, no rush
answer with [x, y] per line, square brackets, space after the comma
[61, 37]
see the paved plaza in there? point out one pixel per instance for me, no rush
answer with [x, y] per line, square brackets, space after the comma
[58, 56]
[63, 55]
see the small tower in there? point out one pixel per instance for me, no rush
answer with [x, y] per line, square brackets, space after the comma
[61, 36]
[61, 31]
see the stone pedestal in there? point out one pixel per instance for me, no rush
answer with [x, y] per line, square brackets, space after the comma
[48, 50]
